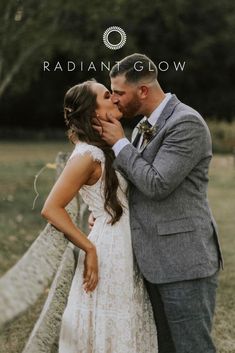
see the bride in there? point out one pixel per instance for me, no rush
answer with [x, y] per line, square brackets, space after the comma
[108, 310]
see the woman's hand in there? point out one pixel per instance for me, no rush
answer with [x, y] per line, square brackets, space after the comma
[91, 221]
[90, 270]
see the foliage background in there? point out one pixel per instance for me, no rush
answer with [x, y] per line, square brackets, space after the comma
[201, 33]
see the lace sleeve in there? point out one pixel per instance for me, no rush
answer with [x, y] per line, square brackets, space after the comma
[82, 148]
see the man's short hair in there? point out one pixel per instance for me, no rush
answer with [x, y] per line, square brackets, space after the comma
[135, 67]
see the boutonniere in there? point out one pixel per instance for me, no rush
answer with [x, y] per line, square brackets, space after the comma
[147, 129]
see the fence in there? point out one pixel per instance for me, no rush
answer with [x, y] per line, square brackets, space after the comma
[49, 262]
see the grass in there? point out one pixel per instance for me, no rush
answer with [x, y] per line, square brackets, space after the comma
[222, 199]
[20, 225]
[223, 136]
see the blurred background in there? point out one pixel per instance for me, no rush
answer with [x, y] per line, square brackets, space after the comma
[199, 33]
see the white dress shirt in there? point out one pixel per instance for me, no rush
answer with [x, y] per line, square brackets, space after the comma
[120, 144]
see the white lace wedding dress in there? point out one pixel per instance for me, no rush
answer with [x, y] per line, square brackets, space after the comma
[117, 317]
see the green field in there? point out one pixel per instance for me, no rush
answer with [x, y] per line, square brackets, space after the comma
[20, 225]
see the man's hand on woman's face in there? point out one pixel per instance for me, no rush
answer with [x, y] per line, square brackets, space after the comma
[110, 131]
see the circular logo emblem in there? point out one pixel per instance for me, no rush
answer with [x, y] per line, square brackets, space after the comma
[120, 31]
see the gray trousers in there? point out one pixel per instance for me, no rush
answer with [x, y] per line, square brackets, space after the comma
[183, 313]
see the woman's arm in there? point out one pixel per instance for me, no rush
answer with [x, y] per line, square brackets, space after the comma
[78, 171]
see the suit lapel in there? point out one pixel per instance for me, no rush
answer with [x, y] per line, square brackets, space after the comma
[166, 113]
[136, 131]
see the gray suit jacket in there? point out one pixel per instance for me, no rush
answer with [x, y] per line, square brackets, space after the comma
[174, 234]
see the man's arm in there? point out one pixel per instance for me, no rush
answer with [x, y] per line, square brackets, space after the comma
[119, 145]
[184, 145]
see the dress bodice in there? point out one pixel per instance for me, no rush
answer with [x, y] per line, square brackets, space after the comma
[117, 316]
[93, 195]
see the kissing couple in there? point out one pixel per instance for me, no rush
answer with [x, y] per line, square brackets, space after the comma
[147, 273]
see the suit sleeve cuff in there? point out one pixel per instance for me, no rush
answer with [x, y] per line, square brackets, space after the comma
[119, 145]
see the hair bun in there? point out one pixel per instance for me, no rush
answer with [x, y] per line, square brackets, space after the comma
[67, 109]
[68, 112]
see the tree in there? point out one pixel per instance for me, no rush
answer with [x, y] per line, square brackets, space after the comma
[201, 35]
[28, 29]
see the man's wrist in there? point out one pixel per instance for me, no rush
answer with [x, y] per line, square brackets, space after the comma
[119, 145]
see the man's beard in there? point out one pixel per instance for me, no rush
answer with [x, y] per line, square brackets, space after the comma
[132, 109]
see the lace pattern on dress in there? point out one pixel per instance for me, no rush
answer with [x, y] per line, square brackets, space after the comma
[82, 148]
[117, 317]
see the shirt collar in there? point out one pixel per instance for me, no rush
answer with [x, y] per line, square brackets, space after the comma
[157, 112]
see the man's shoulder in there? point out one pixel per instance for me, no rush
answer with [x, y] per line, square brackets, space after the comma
[185, 113]
[183, 109]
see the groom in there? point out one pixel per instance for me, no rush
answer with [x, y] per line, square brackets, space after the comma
[174, 234]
